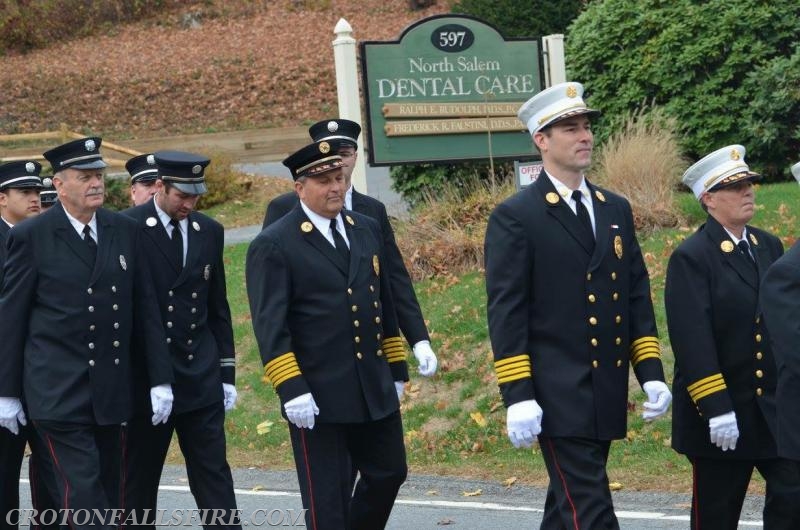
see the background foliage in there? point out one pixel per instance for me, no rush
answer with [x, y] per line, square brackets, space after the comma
[722, 69]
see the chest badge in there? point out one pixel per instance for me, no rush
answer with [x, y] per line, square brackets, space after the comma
[306, 227]
[376, 266]
[207, 272]
[726, 246]
[552, 198]
[123, 263]
[618, 246]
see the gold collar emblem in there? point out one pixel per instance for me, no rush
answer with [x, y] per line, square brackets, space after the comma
[599, 195]
[349, 220]
[306, 227]
[552, 198]
[753, 239]
[726, 246]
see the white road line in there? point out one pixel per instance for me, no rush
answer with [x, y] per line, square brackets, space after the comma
[467, 505]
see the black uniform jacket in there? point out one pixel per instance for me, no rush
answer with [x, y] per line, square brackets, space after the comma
[67, 327]
[409, 314]
[780, 301]
[564, 322]
[193, 307]
[4, 228]
[723, 359]
[322, 327]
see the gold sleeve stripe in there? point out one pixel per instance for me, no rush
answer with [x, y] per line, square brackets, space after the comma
[513, 368]
[644, 348]
[509, 360]
[394, 348]
[513, 378]
[706, 386]
[282, 368]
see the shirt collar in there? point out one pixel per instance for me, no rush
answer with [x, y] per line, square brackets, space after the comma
[323, 224]
[566, 193]
[165, 218]
[78, 226]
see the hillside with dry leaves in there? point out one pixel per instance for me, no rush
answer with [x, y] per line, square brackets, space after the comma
[233, 65]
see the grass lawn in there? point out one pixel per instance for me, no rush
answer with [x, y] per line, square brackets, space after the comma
[455, 422]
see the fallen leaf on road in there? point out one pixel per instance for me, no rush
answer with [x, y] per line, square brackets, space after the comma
[445, 522]
[472, 493]
[614, 486]
[431, 492]
[509, 481]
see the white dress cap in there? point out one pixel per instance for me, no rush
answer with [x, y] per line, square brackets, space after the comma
[553, 104]
[720, 168]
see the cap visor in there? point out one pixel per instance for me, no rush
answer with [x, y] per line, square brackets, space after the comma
[95, 164]
[745, 175]
[191, 189]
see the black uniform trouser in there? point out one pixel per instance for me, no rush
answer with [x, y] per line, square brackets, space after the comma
[720, 486]
[578, 494]
[325, 458]
[201, 435]
[40, 474]
[12, 449]
[12, 452]
[86, 470]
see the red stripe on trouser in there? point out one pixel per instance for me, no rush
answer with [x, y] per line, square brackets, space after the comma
[564, 484]
[60, 472]
[308, 479]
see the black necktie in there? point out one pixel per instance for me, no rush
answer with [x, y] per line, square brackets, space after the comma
[177, 241]
[582, 212]
[339, 242]
[745, 249]
[90, 242]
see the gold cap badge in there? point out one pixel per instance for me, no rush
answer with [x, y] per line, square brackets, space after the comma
[552, 198]
[571, 91]
[306, 227]
[735, 154]
[324, 147]
[726, 246]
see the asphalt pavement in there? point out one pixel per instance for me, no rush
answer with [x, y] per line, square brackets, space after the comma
[271, 498]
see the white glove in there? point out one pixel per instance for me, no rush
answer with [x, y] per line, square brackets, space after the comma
[301, 411]
[724, 431]
[524, 423]
[400, 387]
[229, 391]
[11, 413]
[161, 400]
[425, 357]
[658, 399]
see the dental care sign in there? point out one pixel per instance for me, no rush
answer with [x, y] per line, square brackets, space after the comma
[448, 89]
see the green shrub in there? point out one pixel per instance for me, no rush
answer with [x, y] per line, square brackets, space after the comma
[223, 182]
[118, 193]
[706, 63]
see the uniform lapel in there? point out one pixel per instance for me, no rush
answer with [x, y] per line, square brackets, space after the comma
[67, 233]
[760, 253]
[315, 238]
[730, 253]
[158, 234]
[106, 232]
[602, 226]
[558, 208]
[196, 239]
[356, 245]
